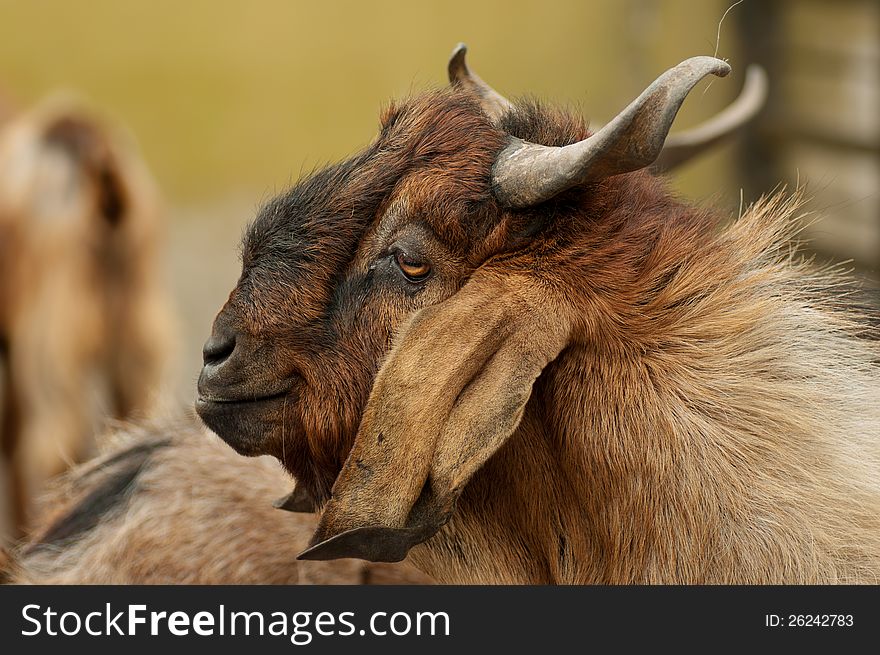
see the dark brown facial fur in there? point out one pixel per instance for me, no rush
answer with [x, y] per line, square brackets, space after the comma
[321, 293]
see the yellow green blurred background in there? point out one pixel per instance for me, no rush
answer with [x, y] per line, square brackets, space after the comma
[234, 96]
[231, 100]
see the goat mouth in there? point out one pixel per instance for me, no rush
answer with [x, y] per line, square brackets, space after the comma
[207, 400]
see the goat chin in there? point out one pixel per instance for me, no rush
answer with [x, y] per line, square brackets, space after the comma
[171, 504]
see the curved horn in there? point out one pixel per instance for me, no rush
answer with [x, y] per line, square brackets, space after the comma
[493, 103]
[526, 174]
[683, 146]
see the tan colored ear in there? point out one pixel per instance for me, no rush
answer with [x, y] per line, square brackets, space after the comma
[452, 391]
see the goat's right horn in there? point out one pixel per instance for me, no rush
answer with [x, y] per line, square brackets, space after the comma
[460, 75]
[526, 174]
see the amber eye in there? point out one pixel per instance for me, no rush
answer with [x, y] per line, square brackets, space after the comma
[414, 269]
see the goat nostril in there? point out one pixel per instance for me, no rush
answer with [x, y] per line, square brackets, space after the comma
[218, 349]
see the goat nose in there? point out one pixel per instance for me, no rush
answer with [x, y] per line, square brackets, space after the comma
[218, 347]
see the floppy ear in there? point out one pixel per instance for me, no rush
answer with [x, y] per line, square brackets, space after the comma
[452, 391]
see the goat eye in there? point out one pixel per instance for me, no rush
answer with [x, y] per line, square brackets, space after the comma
[413, 269]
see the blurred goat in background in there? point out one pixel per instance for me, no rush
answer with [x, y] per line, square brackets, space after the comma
[84, 325]
[169, 503]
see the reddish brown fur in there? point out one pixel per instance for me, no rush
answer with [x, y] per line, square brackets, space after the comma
[83, 319]
[620, 390]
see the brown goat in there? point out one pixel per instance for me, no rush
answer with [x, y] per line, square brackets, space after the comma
[84, 328]
[505, 346]
[171, 504]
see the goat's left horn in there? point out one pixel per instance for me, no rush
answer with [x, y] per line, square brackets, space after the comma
[526, 174]
[681, 147]
[460, 75]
